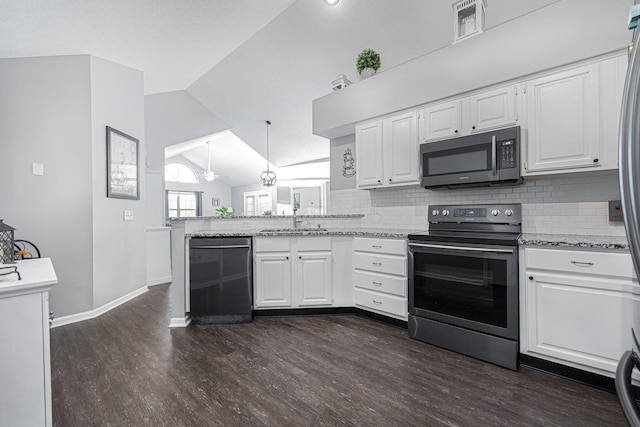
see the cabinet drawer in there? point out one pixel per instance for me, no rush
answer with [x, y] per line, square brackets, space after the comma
[599, 263]
[313, 243]
[383, 246]
[271, 244]
[381, 282]
[386, 304]
[381, 263]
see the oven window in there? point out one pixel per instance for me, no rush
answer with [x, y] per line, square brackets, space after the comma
[467, 287]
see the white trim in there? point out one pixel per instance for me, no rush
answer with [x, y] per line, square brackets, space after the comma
[92, 314]
[180, 322]
[159, 281]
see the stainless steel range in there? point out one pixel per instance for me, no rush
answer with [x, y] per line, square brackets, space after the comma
[463, 281]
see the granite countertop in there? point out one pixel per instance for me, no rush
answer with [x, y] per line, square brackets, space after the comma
[568, 240]
[398, 234]
[274, 217]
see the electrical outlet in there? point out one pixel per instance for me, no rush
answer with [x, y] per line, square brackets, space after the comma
[37, 169]
[127, 215]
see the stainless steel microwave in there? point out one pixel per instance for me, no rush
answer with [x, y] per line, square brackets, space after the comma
[482, 159]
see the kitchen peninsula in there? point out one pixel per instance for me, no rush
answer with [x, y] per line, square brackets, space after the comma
[323, 245]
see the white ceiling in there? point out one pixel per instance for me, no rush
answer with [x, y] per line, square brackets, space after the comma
[247, 61]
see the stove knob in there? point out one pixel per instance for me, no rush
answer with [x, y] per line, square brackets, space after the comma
[435, 212]
[445, 212]
[508, 212]
[495, 212]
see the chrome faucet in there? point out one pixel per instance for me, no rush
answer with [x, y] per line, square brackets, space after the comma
[296, 220]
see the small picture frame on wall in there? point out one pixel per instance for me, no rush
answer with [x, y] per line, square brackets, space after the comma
[123, 165]
[215, 202]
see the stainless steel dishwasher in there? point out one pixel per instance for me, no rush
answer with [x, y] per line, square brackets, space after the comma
[220, 280]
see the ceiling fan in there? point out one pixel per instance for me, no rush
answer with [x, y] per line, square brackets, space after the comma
[208, 175]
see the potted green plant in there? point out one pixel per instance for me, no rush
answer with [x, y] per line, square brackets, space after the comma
[224, 211]
[368, 62]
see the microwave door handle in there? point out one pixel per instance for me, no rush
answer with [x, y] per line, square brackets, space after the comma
[494, 155]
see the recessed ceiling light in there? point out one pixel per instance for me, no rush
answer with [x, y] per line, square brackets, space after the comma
[332, 2]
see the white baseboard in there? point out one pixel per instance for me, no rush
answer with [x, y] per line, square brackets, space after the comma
[159, 281]
[180, 322]
[92, 314]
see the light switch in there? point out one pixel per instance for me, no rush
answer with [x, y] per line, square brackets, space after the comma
[128, 215]
[37, 168]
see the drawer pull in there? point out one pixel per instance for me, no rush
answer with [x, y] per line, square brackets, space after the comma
[377, 264]
[582, 264]
[377, 302]
[376, 246]
[377, 283]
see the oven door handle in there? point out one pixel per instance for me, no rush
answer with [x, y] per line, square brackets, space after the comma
[461, 248]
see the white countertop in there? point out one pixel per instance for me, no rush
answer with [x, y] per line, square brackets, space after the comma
[37, 275]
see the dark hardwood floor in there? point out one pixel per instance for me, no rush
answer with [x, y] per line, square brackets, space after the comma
[126, 368]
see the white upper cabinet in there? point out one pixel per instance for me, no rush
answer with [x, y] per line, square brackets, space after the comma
[479, 112]
[387, 151]
[562, 120]
[400, 148]
[369, 171]
[441, 120]
[490, 109]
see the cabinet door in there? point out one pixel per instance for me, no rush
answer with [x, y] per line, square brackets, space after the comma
[369, 171]
[272, 280]
[401, 149]
[441, 121]
[24, 361]
[314, 279]
[563, 120]
[573, 319]
[491, 109]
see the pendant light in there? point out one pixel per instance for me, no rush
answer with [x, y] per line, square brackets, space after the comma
[268, 177]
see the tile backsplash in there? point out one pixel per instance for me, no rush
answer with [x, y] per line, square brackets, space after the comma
[564, 204]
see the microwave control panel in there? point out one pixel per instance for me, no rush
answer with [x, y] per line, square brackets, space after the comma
[507, 154]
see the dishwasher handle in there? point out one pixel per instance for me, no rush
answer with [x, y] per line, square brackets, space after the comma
[220, 247]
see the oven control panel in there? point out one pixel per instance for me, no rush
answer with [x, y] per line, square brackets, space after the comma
[498, 213]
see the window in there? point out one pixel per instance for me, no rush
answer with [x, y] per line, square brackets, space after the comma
[177, 172]
[183, 204]
[257, 203]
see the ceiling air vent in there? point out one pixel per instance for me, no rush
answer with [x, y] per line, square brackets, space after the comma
[468, 19]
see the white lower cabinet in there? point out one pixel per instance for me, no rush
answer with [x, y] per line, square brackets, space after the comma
[576, 306]
[292, 272]
[25, 360]
[380, 276]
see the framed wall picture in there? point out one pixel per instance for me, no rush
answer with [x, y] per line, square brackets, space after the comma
[123, 165]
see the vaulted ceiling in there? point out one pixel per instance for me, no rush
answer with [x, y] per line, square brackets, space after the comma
[246, 60]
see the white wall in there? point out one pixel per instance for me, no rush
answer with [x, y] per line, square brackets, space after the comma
[561, 33]
[174, 117]
[45, 117]
[54, 110]
[119, 262]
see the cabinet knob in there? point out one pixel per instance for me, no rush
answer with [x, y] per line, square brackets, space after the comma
[389, 179]
[286, 257]
[530, 277]
[596, 160]
[473, 127]
[299, 257]
[378, 181]
[455, 131]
